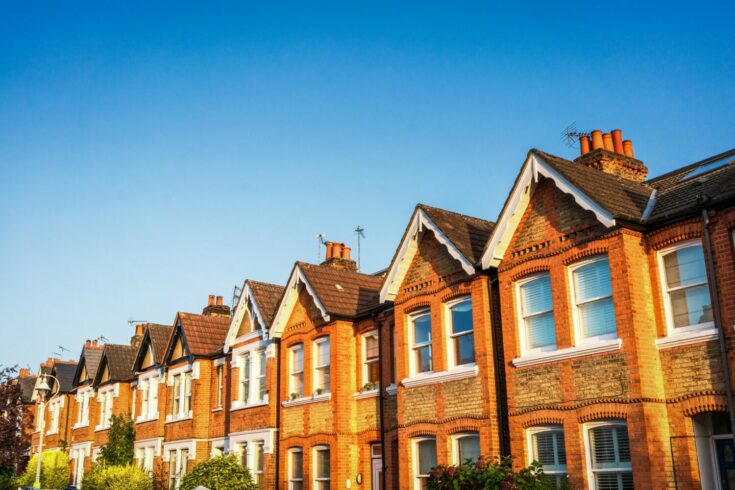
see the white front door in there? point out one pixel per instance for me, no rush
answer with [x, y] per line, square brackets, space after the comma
[377, 474]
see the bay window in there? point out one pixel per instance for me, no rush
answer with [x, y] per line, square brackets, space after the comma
[538, 332]
[105, 400]
[461, 333]
[593, 304]
[321, 365]
[220, 376]
[421, 342]
[687, 298]
[177, 467]
[149, 398]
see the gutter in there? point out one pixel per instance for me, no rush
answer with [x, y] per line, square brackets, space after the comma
[277, 439]
[714, 291]
[381, 399]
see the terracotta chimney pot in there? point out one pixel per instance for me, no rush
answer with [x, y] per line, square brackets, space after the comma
[584, 145]
[330, 250]
[94, 343]
[211, 300]
[346, 252]
[617, 138]
[607, 142]
[628, 148]
[87, 343]
[139, 329]
[597, 139]
[23, 372]
[336, 249]
[219, 300]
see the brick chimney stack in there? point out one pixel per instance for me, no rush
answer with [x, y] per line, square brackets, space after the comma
[137, 337]
[338, 257]
[215, 306]
[611, 154]
[24, 373]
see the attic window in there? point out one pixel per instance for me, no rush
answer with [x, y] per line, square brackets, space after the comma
[707, 167]
[340, 288]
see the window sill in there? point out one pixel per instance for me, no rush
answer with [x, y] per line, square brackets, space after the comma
[142, 420]
[218, 409]
[568, 353]
[306, 400]
[460, 372]
[239, 405]
[52, 433]
[179, 418]
[687, 338]
[80, 426]
[100, 428]
[361, 395]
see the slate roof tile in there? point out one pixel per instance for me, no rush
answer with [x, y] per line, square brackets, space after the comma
[205, 334]
[343, 293]
[268, 296]
[467, 233]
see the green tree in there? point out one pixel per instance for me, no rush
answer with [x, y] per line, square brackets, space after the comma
[120, 447]
[54, 471]
[219, 473]
[106, 477]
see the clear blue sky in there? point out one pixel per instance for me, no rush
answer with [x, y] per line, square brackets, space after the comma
[154, 154]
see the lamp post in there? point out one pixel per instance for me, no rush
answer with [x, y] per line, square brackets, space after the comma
[43, 390]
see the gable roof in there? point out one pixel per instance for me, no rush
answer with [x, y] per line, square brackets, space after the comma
[335, 292]
[64, 372]
[264, 298]
[203, 335]
[463, 236]
[89, 359]
[156, 337]
[118, 359]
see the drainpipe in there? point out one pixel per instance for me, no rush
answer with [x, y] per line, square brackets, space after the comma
[501, 397]
[277, 438]
[381, 396]
[718, 317]
[227, 370]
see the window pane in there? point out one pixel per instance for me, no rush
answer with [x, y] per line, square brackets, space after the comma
[462, 317]
[544, 448]
[614, 481]
[592, 281]
[323, 353]
[322, 463]
[422, 329]
[610, 447]
[536, 296]
[298, 359]
[597, 317]
[685, 266]
[464, 349]
[296, 464]
[540, 330]
[469, 447]
[423, 359]
[427, 455]
[373, 372]
[371, 347]
[691, 306]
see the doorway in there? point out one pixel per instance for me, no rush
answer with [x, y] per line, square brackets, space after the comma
[376, 457]
[715, 450]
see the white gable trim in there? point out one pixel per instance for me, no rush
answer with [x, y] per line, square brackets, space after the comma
[289, 301]
[408, 248]
[240, 311]
[518, 201]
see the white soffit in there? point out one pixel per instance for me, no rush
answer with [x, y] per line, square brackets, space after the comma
[240, 310]
[289, 301]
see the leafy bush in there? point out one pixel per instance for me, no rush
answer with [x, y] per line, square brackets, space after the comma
[219, 473]
[7, 481]
[54, 471]
[491, 475]
[128, 477]
[120, 448]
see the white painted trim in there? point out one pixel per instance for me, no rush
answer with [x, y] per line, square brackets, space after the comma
[361, 395]
[289, 301]
[80, 446]
[538, 429]
[190, 444]
[460, 372]
[522, 335]
[588, 449]
[307, 399]
[448, 326]
[416, 485]
[568, 353]
[268, 436]
[579, 340]
[454, 440]
[404, 256]
[410, 319]
[238, 405]
[237, 318]
[193, 367]
[687, 338]
[154, 442]
[519, 199]
[649, 206]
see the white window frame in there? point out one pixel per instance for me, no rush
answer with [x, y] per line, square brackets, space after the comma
[314, 451]
[185, 396]
[588, 450]
[83, 397]
[365, 361]
[416, 476]
[179, 464]
[291, 478]
[666, 293]
[412, 347]
[105, 399]
[316, 345]
[292, 372]
[55, 412]
[148, 385]
[452, 337]
[256, 354]
[539, 429]
[455, 438]
[522, 335]
[579, 339]
[219, 382]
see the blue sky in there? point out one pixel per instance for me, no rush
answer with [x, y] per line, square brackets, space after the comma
[152, 154]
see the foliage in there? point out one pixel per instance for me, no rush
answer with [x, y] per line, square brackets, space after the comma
[492, 475]
[7, 481]
[219, 473]
[54, 471]
[120, 447]
[13, 439]
[128, 477]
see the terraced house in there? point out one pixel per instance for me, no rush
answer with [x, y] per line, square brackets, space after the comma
[588, 328]
[54, 419]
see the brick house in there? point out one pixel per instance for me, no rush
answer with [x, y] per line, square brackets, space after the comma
[192, 355]
[149, 399]
[444, 350]
[85, 414]
[27, 382]
[329, 425]
[610, 285]
[251, 394]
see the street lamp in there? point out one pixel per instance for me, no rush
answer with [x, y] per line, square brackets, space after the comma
[43, 390]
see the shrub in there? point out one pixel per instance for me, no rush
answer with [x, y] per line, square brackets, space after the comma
[120, 448]
[491, 475]
[219, 473]
[54, 471]
[128, 477]
[7, 481]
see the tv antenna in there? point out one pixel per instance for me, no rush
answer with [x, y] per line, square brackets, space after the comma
[62, 349]
[132, 322]
[236, 293]
[103, 339]
[360, 232]
[321, 239]
[571, 135]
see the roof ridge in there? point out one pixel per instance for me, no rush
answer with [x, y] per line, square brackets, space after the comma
[694, 165]
[341, 271]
